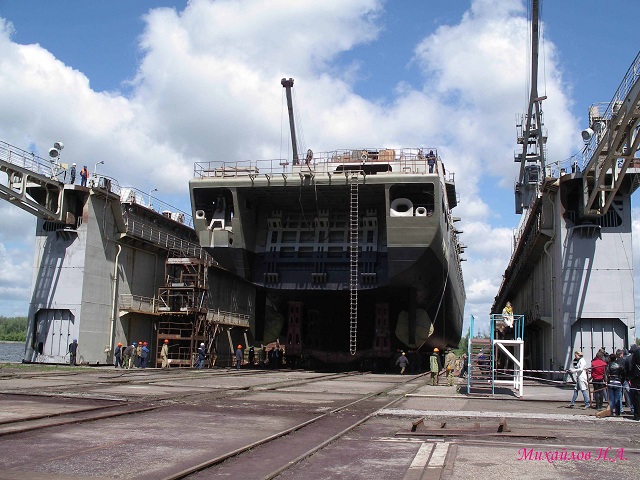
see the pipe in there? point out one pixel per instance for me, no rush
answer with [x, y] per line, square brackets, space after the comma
[549, 243]
[113, 303]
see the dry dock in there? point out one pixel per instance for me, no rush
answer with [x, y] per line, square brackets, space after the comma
[63, 422]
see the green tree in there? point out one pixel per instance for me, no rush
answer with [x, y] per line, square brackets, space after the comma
[13, 329]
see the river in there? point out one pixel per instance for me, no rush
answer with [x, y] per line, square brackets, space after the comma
[11, 351]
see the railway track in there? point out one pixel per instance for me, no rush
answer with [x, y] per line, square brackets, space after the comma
[115, 407]
[270, 457]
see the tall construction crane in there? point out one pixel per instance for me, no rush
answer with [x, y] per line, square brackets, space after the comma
[531, 133]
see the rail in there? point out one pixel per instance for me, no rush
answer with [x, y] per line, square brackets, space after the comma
[228, 318]
[134, 195]
[407, 160]
[629, 80]
[161, 238]
[136, 303]
[27, 160]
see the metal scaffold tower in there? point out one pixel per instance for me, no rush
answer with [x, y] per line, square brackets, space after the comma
[498, 359]
[353, 263]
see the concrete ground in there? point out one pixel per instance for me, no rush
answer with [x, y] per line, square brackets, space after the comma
[63, 422]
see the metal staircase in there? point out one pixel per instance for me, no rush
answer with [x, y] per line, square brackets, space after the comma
[496, 360]
[353, 263]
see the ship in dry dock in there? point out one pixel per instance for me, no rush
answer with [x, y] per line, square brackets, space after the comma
[352, 254]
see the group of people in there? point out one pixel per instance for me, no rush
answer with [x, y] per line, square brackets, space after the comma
[451, 364]
[134, 355]
[615, 377]
[84, 175]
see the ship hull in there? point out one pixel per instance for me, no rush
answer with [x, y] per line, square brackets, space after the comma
[294, 241]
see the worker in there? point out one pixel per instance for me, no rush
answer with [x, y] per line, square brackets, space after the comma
[239, 356]
[402, 362]
[84, 174]
[449, 365]
[138, 357]
[164, 354]
[144, 355]
[202, 354]
[434, 366]
[73, 174]
[117, 355]
[128, 353]
[73, 351]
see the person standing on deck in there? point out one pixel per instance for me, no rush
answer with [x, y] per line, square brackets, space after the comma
[164, 354]
[73, 351]
[449, 365]
[507, 317]
[73, 174]
[84, 174]
[434, 366]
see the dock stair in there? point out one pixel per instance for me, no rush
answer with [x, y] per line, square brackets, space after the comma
[496, 358]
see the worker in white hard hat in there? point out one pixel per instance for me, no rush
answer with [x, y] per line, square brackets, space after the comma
[202, 355]
[73, 174]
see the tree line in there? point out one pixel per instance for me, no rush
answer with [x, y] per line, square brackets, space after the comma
[13, 329]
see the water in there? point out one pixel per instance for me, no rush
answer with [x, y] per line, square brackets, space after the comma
[11, 351]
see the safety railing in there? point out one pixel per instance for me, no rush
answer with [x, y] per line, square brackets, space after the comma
[629, 80]
[28, 160]
[136, 303]
[406, 160]
[228, 318]
[133, 195]
[161, 238]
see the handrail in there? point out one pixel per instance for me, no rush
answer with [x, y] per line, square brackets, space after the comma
[629, 80]
[28, 160]
[159, 237]
[406, 160]
[139, 197]
[127, 301]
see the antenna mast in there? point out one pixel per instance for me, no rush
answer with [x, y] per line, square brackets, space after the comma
[288, 85]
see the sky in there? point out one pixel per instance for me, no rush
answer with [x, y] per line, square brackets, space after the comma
[150, 87]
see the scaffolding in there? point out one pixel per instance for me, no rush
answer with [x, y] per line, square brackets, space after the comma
[187, 322]
[496, 358]
[183, 304]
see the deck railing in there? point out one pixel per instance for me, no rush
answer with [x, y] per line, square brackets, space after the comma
[407, 160]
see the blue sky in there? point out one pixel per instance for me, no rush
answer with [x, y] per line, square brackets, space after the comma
[161, 84]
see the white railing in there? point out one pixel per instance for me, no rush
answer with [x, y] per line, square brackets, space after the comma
[133, 195]
[27, 160]
[136, 303]
[406, 160]
[629, 80]
[228, 318]
[159, 237]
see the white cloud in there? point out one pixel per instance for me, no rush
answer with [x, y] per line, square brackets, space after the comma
[208, 89]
